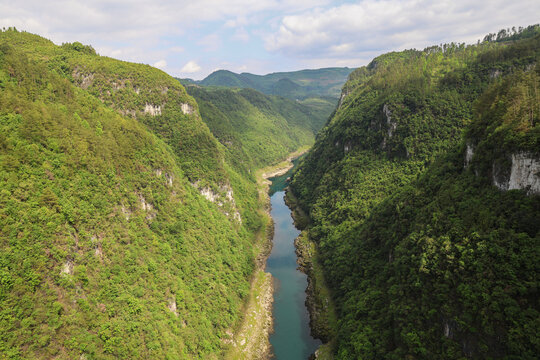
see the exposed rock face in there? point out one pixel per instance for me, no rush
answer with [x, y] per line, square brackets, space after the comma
[152, 110]
[172, 305]
[449, 328]
[530, 66]
[225, 196]
[118, 85]
[98, 251]
[209, 194]
[469, 153]
[148, 207]
[495, 73]
[145, 205]
[85, 79]
[126, 212]
[67, 269]
[187, 109]
[346, 146]
[168, 177]
[344, 94]
[390, 125]
[524, 174]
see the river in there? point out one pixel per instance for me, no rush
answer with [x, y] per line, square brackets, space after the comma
[291, 339]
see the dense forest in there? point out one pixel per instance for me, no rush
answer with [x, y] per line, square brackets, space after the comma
[126, 230]
[131, 221]
[318, 90]
[256, 128]
[426, 252]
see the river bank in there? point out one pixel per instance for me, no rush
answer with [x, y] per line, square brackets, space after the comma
[251, 340]
[282, 167]
[323, 320]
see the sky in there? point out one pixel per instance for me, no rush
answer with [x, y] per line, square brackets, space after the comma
[196, 37]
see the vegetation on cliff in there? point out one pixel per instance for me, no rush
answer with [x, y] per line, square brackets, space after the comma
[424, 256]
[125, 229]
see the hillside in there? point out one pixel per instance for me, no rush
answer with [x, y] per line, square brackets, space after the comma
[125, 233]
[424, 256]
[301, 84]
[256, 129]
[318, 89]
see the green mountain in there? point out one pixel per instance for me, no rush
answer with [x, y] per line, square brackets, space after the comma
[130, 216]
[301, 84]
[223, 78]
[317, 89]
[126, 230]
[255, 128]
[424, 250]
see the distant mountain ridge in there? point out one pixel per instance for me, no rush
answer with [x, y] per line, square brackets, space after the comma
[325, 82]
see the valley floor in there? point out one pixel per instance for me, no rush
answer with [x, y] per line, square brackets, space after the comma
[251, 340]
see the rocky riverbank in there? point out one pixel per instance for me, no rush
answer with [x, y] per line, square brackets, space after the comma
[282, 167]
[252, 339]
[323, 321]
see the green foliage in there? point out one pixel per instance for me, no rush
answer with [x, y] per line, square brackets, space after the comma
[132, 90]
[508, 117]
[314, 94]
[424, 257]
[256, 129]
[101, 231]
[514, 34]
[77, 46]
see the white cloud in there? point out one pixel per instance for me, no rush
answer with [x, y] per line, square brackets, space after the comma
[161, 64]
[142, 20]
[176, 49]
[236, 22]
[211, 42]
[191, 67]
[241, 34]
[296, 33]
[371, 26]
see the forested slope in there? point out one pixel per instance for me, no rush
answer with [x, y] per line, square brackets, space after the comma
[255, 128]
[317, 89]
[124, 231]
[425, 254]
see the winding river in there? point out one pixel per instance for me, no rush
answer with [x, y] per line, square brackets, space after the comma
[291, 339]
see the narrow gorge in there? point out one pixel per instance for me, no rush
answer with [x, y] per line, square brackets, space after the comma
[386, 212]
[291, 338]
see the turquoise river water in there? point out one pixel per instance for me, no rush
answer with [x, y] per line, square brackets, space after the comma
[291, 339]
